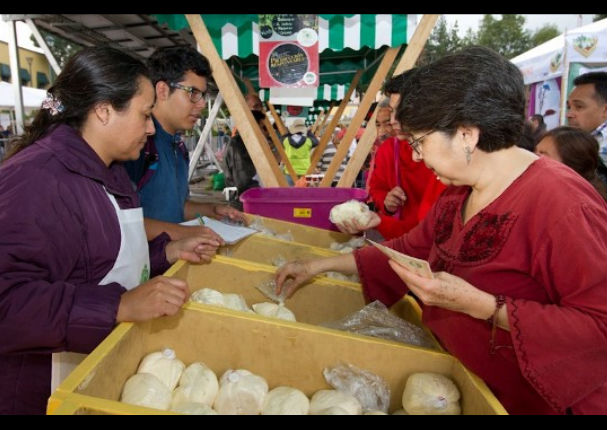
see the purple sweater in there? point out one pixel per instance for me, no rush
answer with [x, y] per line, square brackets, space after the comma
[59, 236]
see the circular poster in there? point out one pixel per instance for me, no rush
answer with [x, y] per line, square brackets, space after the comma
[288, 63]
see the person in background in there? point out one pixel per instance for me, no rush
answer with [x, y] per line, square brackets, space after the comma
[179, 76]
[298, 147]
[527, 140]
[74, 258]
[402, 200]
[538, 126]
[516, 244]
[587, 107]
[325, 160]
[383, 125]
[240, 171]
[576, 149]
[254, 103]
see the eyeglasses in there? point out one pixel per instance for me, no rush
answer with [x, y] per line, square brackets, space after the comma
[195, 94]
[416, 143]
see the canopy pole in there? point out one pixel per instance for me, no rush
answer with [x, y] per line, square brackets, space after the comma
[315, 125]
[281, 126]
[326, 117]
[278, 144]
[358, 157]
[407, 61]
[47, 52]
[272, 133]
[13, 53]
[203, 138]
[564, 83]
[263, 159]
[322, 145]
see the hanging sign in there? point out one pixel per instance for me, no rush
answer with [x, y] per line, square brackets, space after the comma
[288, 50]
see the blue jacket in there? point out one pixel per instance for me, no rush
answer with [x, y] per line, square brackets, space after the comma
[161, 176]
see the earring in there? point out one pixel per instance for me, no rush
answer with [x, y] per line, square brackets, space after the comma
[468, 154]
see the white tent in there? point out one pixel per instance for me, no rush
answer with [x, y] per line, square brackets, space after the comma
[566, 56]
[32, 97]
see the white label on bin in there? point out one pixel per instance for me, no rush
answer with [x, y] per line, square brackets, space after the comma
[302, 212]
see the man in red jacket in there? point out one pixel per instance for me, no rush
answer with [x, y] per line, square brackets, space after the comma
[402, 200]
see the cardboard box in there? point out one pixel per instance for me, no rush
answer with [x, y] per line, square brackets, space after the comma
[300, 233]
[322, 300]
[284, 353]
[266, 250]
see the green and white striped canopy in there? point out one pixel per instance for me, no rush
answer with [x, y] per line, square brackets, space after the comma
[238, 34]
[347, 42]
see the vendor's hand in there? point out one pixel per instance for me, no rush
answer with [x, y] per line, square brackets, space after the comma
[354, 227]
[196, 249]
[447, 291]
[155, 298]
[395, 198]
[292, 275]
[186, 231]
[222, 211]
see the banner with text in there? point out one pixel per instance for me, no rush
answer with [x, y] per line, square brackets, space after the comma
[288, 50]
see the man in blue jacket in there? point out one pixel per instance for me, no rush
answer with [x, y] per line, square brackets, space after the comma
[180, 76]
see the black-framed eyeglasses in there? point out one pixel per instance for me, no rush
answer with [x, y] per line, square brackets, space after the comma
[416, 143]
[195, 94]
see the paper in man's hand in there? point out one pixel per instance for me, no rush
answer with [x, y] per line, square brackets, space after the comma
[417, 266]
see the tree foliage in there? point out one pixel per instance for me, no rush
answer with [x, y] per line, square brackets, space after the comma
[61, 49]
[441, 41]
[544, 34]
[505, 35]
[502, 33]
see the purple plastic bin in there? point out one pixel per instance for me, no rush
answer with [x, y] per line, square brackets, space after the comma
[309, 206]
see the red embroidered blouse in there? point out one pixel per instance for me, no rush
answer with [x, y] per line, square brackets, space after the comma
[543, 245]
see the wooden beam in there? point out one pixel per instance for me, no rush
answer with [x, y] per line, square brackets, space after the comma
[315, 125]
[278, 144]
[249, 85]
[254, 140]
[407, 61]
[358, 158]
[416, 44]
[322, 145]
[281, 126]
[326, 117]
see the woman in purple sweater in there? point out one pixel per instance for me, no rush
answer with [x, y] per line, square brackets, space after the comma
[74, 259]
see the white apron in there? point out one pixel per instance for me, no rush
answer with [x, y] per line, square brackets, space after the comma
[131, 268]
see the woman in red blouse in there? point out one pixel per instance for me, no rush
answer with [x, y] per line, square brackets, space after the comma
[517, 244]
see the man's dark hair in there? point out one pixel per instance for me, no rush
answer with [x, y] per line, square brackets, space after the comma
[598, 79]
[473, 87]
[259, 116]
[171, 64]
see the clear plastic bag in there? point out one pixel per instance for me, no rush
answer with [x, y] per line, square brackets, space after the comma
[279, 261]
[267, 289]
[376, 320]
[349, 246]
[257, 224]
[370, 390]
